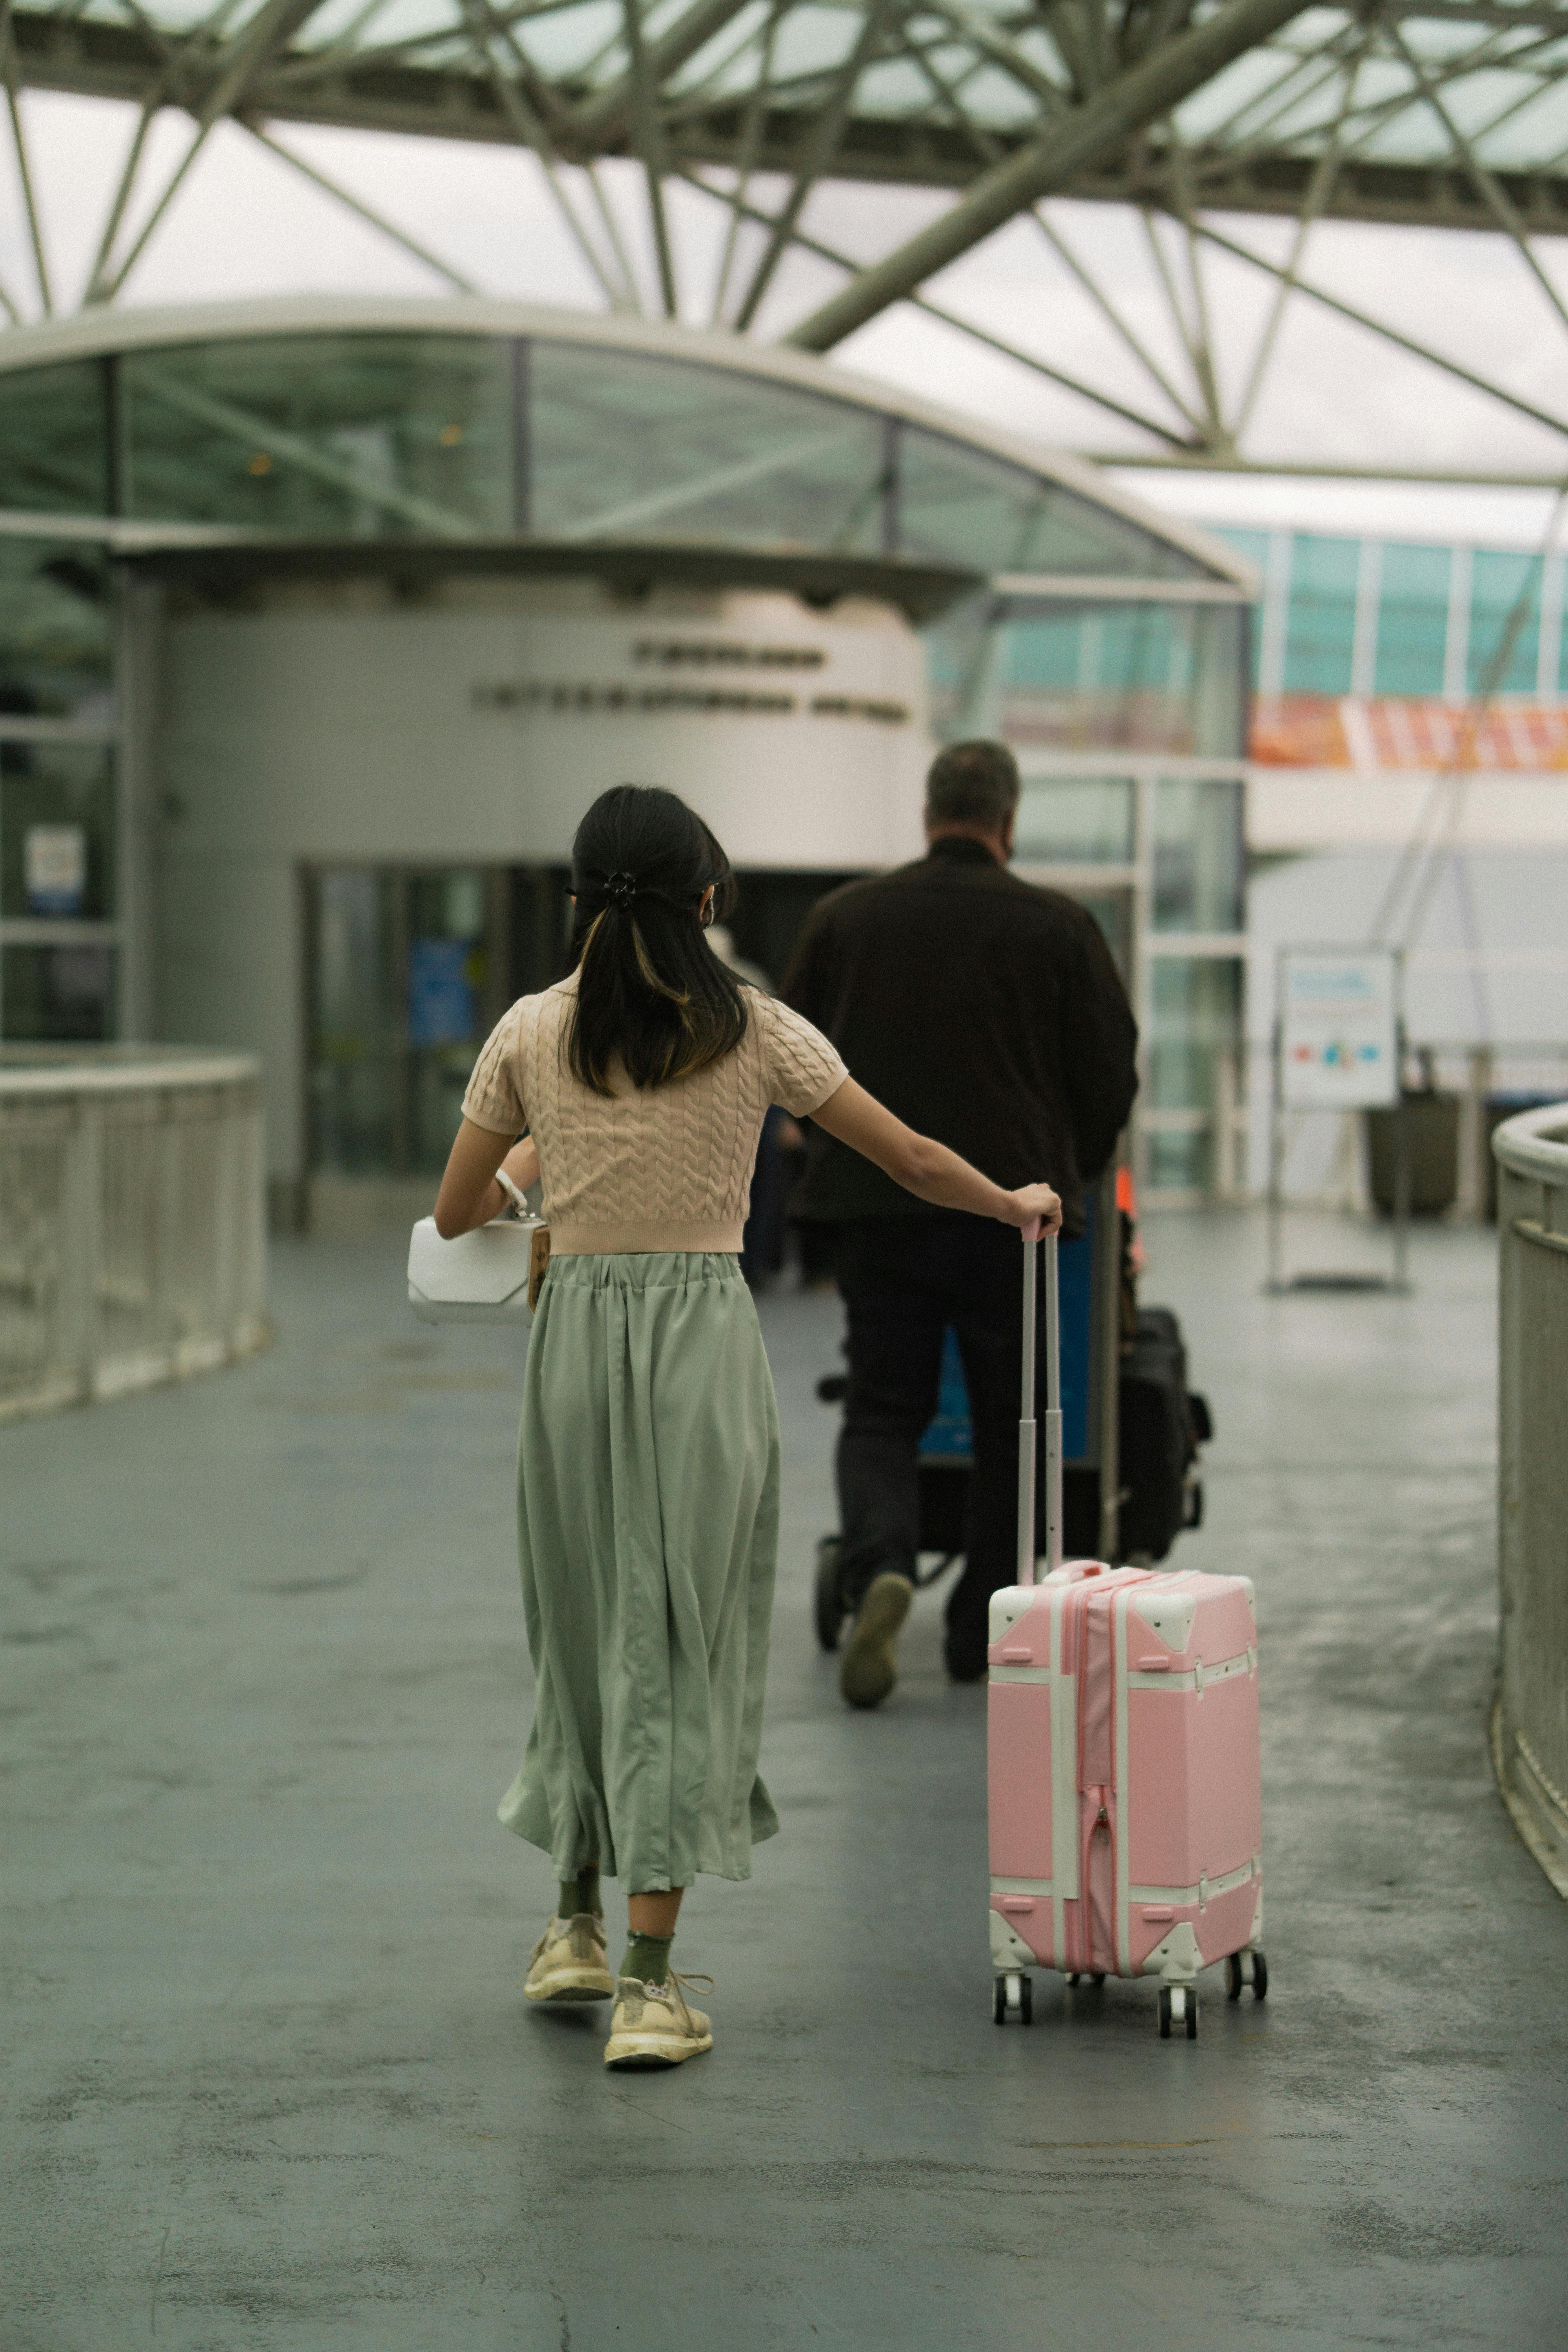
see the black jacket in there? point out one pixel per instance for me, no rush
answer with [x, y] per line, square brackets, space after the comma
[982, 1010]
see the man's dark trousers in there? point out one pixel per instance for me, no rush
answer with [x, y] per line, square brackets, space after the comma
[904, 1280]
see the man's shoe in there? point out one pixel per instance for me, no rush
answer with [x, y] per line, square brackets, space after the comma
[653, 2025]
[869, 1669]
[570, 1962]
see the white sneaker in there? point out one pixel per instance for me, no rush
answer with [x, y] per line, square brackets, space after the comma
[654, 2026]
[570, 1962]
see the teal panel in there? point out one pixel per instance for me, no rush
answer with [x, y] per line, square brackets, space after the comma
[1412, 620]
[1498, 662]
[1321, 631]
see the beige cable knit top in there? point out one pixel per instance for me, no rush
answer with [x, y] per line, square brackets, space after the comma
[651, 1168]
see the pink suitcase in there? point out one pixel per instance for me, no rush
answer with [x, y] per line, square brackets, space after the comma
[1126, 1833]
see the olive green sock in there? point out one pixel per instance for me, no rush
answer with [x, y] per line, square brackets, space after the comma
[581, 1894]
[647, 1958]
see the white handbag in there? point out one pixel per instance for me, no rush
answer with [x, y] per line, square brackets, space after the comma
[489, 1275]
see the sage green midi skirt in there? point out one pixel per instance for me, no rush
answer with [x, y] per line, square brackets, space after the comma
[647, 1531]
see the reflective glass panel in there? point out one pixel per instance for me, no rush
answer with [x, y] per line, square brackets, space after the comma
[1076, 821]
[409, 972]
[1505, 623]
[958, 505]
[1127, 678]
[358, 437]
[56, 832]
[1412, 620]
[1321, 632]
[57, 995]
[1195, 1008]
[54, 439]
[355, 1022]
[624, 446]
[1197, 855]
[57, 630]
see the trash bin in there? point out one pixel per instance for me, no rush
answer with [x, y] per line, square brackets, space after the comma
[1432, 1126]
[1496, 1109]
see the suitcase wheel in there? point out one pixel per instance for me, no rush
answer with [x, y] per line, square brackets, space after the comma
[1248, 1968]
[827, 1602]
[1014, 1993]
[1178, 2007]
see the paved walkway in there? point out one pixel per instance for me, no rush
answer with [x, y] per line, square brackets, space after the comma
[270, 2081]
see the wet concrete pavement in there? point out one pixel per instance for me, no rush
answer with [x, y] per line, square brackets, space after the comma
[270, 2080]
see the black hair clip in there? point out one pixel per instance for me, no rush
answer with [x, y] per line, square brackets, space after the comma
[620, 890]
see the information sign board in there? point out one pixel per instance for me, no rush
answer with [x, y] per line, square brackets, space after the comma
[1338, 1027]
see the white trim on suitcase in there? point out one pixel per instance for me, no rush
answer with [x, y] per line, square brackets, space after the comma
[1065, 1800]
[1183, 1897]
[1197, 1677]
[1121, 1930]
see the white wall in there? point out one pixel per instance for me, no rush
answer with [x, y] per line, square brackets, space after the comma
[337, 726]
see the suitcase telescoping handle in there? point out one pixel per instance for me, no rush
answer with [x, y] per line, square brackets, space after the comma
[1028, 1425]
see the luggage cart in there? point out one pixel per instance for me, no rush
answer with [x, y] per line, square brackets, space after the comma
[1091, 1273]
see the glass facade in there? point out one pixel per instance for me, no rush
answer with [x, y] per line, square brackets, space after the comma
[1076, 821]
[1320, 640]
[55, 453]
[1142, 677]
[370, 434]
[1505, 623]
[341, 436]
[392, 436]
[1197, 841]
[1416, 586]
[59, 839]
[408, 973]
[1404, 620]
[622, 446]
[57, 630]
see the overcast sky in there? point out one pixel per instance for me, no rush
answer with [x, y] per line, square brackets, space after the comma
[244, 223]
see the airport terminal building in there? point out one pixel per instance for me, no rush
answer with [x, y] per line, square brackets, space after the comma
[322, 621]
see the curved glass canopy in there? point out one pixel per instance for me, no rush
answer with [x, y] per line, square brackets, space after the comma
[372, 434]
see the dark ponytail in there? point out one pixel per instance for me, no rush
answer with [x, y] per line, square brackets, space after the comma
[651, 993]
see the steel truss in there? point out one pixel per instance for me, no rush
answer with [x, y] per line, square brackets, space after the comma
[1447, 114]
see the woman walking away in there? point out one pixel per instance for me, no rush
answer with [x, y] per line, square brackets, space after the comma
[648, 1463]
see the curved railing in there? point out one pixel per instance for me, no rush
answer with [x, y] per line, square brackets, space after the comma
[1530, 1726]
[132, 1242]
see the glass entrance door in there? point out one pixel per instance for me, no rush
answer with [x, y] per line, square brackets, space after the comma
[408, 969]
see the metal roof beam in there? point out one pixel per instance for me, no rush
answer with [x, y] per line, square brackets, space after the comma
[1100, 128]
[604, 120]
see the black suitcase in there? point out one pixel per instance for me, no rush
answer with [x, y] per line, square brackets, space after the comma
[1162, 1426]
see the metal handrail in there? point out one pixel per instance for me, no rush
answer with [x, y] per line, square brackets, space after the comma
[32, 1081]
[132, 1240]
[1530, 1733]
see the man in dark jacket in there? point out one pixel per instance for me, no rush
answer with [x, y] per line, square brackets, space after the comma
[987, 1014]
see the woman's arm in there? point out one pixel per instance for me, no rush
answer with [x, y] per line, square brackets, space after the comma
[469, 1195]
[929, 1170]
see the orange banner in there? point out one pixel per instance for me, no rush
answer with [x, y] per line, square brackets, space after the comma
[1325, 730]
